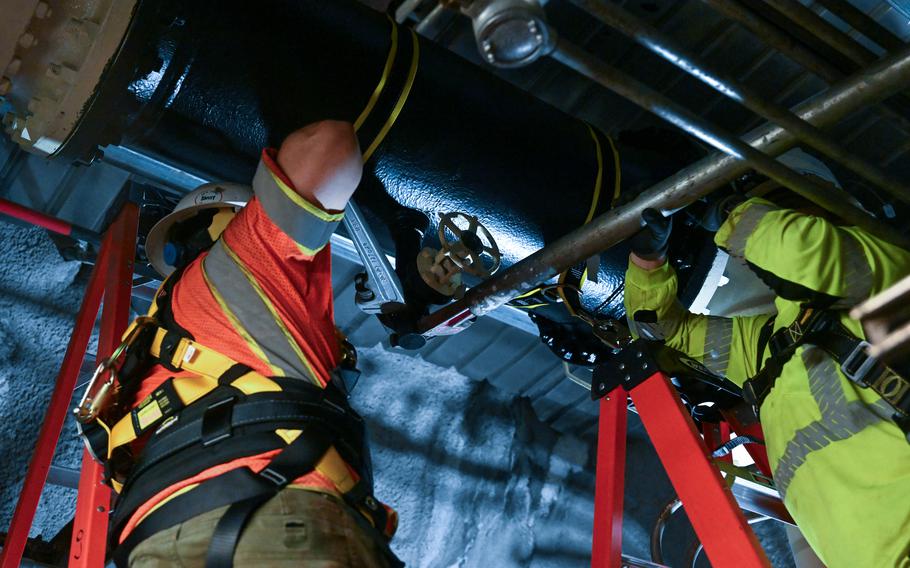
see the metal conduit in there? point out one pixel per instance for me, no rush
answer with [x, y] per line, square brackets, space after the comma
[823, 30]
[590, 66]
[787, 45]
[880, 80]
[864, 24]
[776, 38]
[665, 47]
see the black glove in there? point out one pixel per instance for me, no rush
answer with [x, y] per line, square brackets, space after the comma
[652, 241]
[718, 210]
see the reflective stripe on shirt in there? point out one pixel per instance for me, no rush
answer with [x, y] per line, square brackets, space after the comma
[858, 276]
[718, 336]
[745, 226]
[308, 225]
[254, 312]
[840, 419]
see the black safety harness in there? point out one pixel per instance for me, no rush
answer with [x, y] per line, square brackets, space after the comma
[823, 328]
[189, 427]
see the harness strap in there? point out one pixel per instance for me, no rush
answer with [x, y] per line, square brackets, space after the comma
[227, 425]
[727, 448]
[783, 343]
[283, 414]
[823, 329]
[212, 369]
[298, 458]
[245, 491]
[217, 492]
[764, 337]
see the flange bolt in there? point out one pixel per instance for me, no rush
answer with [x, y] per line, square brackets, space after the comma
[27, 40]
[43, 11]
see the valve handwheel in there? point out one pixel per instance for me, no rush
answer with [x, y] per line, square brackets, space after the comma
[472, 249]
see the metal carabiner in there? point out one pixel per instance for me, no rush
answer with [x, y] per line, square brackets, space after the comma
[96, 397]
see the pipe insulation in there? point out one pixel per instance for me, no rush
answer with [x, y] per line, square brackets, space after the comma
[203, 86]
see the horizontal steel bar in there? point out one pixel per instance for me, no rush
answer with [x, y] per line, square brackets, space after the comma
[662, 45]
[588, 65]
[878, 81]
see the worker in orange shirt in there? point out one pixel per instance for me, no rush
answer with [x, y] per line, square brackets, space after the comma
[235, 442]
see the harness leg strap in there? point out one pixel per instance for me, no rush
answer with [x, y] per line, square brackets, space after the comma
[227, 533]
[299, 458]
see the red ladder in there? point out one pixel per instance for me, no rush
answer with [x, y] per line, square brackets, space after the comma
[111, 278]
[710, 506]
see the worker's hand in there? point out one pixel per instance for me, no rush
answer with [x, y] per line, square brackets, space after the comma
[652, 241]
[718, 210]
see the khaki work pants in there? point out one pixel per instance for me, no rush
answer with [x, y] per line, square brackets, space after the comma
[295, 528]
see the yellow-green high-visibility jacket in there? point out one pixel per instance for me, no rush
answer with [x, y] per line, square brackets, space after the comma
[840, 463]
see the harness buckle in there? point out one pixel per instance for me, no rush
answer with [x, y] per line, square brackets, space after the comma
[97, 395]
[752, 398]
[859, 366]
[274, 477]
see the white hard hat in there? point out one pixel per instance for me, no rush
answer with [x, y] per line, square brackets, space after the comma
[219, 195]
[806, 164]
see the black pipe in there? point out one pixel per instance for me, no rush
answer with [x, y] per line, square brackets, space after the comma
[204, 86]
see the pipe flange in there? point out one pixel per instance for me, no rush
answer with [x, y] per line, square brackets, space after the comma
[510, 33]
[52, 59]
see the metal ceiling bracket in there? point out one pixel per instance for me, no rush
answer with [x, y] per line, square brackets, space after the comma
[381, 290]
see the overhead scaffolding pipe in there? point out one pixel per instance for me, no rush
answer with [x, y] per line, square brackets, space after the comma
[776, 38]
[823, 30]
[787, 45]
[873, 84]
[590, 66]
[664, 46]
[863, 23]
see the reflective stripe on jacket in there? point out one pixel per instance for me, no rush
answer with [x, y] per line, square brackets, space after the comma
[262, 295]
[841, 465]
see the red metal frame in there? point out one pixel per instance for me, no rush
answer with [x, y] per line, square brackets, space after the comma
[709, 504]
[758, 453]
[39, 219]
[609, 482]
[716, 435]
[112, 278]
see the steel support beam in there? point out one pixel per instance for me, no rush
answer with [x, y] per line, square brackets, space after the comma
[664, 46]
[863, 23]
[873, 84]
[823, 30]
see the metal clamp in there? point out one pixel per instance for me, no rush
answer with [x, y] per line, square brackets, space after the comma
[381, 285]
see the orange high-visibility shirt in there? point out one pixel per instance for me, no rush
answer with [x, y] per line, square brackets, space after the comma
[264, 299]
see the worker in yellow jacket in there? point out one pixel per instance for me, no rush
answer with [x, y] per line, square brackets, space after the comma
[840, 462]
